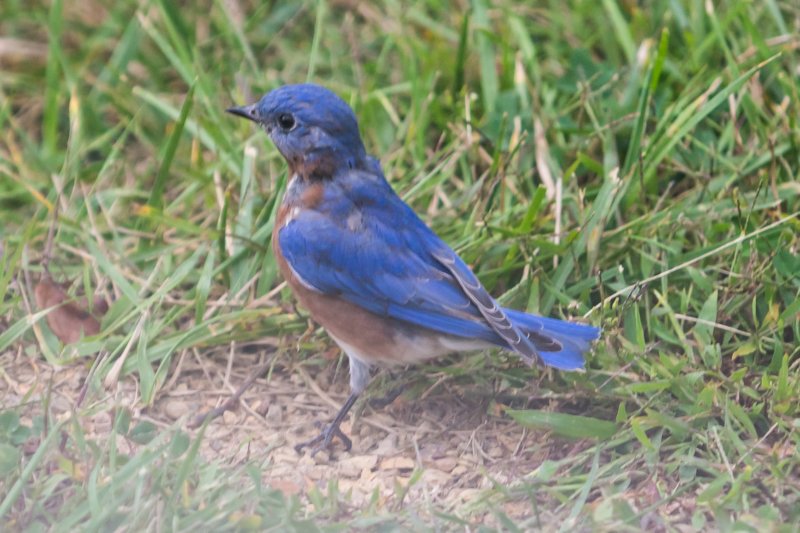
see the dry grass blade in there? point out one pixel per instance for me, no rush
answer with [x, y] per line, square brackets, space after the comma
[231, 402]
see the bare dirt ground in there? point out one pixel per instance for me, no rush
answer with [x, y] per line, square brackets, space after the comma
[448, 435]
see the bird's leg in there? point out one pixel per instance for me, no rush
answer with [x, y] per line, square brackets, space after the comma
[324, 439]
[394, 392]
[389, 397]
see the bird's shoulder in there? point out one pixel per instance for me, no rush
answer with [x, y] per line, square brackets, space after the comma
[357, 201]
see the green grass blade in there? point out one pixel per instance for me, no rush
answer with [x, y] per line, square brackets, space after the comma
[572, 426]
[157, 194]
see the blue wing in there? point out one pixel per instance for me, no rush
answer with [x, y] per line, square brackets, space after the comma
[362, 243]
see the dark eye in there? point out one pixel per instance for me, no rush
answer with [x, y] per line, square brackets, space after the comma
[286, 121]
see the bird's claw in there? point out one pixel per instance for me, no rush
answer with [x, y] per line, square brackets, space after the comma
[324, 440]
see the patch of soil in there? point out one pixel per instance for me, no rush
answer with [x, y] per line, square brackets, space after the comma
[447, 434]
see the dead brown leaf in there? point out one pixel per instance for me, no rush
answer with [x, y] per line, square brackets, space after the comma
[71, 320]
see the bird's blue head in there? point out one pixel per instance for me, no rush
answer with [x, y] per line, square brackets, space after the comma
[314, 130]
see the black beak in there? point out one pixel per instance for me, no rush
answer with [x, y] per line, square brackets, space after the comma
[250, 112]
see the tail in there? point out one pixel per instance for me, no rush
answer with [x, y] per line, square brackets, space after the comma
[560, 344]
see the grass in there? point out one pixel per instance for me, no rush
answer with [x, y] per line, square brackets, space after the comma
[671, 139]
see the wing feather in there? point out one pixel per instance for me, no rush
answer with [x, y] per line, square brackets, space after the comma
[487, 306]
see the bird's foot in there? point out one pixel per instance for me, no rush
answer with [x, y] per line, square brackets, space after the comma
[324, 440]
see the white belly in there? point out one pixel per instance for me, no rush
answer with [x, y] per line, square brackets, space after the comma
[407, 349]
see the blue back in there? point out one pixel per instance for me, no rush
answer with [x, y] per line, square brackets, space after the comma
[364, 244]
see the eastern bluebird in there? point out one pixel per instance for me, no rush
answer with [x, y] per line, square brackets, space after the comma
[387, 289]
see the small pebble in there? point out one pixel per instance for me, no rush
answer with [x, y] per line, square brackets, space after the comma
[176, 409]
[274, 414]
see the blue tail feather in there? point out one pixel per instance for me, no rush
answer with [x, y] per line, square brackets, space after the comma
[575, 339]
